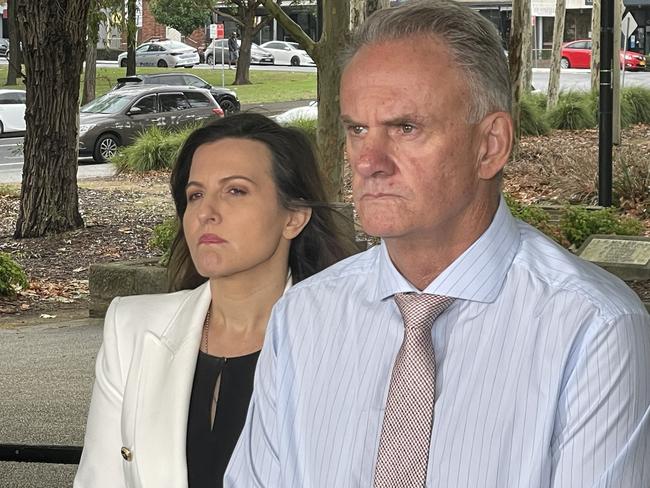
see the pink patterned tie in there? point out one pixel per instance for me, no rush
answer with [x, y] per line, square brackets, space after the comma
[406, 431]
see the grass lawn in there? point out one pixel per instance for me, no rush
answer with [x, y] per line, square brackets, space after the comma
[267, 86]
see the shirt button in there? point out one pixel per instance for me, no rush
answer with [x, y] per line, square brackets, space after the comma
[126, 453]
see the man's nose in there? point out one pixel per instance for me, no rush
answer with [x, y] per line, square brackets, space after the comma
[373, 156]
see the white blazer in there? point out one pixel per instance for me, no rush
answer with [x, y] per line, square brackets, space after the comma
[143, 382]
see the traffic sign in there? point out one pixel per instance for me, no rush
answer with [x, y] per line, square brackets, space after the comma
[216, 31]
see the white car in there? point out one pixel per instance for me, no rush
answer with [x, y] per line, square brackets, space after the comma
[163, 54]
[288, 53]
[12, 111]
[217, 46]
[308, 112]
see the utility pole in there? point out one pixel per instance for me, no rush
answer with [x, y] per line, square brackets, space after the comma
[605, 104]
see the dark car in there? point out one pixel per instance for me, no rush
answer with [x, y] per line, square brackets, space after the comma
[226, 98]
[116, 118]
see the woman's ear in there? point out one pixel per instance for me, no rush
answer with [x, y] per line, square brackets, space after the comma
[496, 132]
[298, 219]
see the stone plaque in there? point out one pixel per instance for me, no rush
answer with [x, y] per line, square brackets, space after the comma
[617, 251]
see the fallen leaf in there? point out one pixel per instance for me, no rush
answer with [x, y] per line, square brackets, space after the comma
[47, 316]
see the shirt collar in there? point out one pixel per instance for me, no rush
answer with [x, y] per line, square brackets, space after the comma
[477, 274]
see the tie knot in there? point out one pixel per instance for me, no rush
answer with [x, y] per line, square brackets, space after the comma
[421, 309]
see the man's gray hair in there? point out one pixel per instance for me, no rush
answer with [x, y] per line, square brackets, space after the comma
[473, 42]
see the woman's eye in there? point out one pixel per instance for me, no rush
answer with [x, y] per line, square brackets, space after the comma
[193, 196]
[237, 191]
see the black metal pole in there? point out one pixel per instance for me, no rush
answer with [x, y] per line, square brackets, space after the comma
[606, 103]
[21, 453]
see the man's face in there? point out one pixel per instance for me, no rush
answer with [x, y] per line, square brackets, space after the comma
[414, 157]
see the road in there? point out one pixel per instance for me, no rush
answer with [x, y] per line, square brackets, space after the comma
[47, 374]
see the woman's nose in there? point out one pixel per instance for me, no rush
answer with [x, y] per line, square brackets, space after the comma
[209, 211]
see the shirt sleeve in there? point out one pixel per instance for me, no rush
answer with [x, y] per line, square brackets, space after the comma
[255, 461]
[101, 462]
[602, 429]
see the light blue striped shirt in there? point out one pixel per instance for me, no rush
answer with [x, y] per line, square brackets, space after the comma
[543, 367]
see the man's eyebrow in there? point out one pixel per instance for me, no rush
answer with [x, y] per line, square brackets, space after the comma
[347, 120]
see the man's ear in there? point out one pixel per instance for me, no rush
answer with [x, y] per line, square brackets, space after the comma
[495, 132]
[298, 219]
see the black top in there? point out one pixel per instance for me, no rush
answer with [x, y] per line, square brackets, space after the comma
[209, 449]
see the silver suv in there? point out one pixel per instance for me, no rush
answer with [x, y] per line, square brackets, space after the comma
[116, 118]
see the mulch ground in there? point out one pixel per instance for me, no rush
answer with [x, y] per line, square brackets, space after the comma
[120, 213]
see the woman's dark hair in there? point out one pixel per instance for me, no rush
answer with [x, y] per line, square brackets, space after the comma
[299, 184]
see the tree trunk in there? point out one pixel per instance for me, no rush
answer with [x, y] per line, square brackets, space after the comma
[90, 71]
[519, 48]
[357, 13]
[595, 47]
[558, 38]
[242, 76]
[14, 54]
[373, 5]
[329, 135]
[48, 200]
[527, 51]
[131, 34]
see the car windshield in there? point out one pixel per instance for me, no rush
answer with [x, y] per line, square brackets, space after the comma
[294, 45]
[111, 103]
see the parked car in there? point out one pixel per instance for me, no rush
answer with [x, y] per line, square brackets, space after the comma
[308, 112]
[258, 55]
[116, 118]
[12, 111]
[4, 47]
[288, 53]
[577, 54]
[226, 98]
[163, 54]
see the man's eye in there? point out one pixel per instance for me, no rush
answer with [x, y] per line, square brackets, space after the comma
[407, 128]
[356, 129]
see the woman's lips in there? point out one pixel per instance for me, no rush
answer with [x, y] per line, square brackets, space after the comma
[211, 239]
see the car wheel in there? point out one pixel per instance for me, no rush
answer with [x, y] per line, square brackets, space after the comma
[564, 63]
[123, 63]
[228, 105]
[162, 63]
[105, 147]
[295, 61]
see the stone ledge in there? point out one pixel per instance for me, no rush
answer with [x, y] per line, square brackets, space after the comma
[109, 280]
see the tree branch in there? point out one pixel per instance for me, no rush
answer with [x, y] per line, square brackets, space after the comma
[263, 23]
[228, 16]
[306, 42]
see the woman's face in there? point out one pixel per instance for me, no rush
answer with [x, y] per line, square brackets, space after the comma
[234, 222]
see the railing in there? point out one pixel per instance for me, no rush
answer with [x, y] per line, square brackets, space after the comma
[22, 453]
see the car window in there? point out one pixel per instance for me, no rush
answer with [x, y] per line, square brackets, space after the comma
[143, 48]
[171, 102]
[12, 99]
[198, 99]
[156, 48]
[274, 45]
[147, 104]
[111, 103]
[294, 45]
[578, 45]
[191, 80]
[168, 80]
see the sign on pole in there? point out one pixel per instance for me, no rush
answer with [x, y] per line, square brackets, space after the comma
[221, 32]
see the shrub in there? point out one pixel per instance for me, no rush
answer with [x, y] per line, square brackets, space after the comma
[163, 235]
[636, 102]
[631, 181]
[12, 276]
[535, 216]
[573, 111]
[533, 116]
[578, 223]
[154, 149]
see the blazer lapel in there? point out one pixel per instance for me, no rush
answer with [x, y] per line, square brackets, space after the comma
[165, 386]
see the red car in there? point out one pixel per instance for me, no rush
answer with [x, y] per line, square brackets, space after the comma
[577, 54]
